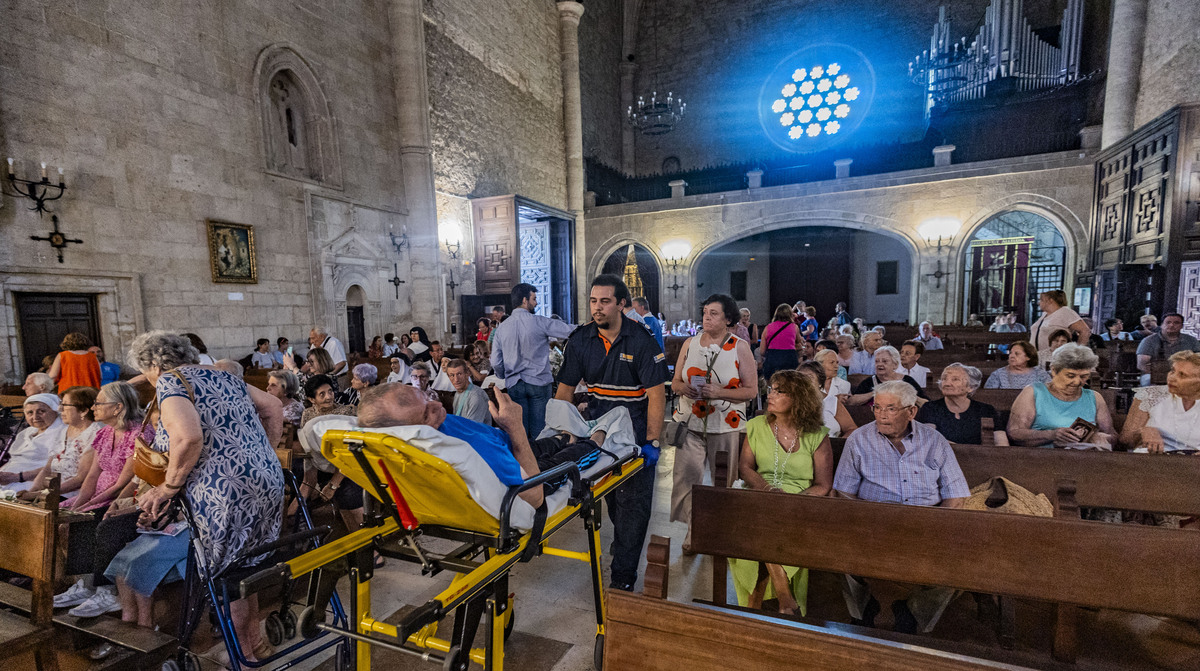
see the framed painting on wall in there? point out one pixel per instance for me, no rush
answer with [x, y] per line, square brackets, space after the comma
[231, 252]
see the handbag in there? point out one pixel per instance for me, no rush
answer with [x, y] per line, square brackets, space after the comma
[149, 465]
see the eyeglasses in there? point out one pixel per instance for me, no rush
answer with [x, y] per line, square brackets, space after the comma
[105, 403]
[889, 409]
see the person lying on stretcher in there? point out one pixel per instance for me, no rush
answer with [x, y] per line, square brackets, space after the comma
[507, 450]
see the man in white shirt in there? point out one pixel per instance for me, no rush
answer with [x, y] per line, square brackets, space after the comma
[910, 356]
[319, 337]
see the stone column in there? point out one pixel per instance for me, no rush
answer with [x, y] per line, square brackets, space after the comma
[754, 179]
[569, 13]
[1124, 69]
[677, 189]
[416, 164]
[841, 168]
[628, 69]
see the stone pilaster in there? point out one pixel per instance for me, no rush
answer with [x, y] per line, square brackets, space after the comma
[569, 13]
[628, 69]
[1123, 80]
[416, 166]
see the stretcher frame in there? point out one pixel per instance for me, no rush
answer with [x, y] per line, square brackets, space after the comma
[402, 477]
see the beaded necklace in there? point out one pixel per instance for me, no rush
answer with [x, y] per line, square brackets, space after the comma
[778, 471]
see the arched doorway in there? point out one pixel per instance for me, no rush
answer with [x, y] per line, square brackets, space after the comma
[1012, 258]
[356, 329]
[636, 265]
[820, 265]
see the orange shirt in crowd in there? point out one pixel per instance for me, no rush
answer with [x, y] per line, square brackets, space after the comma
[78, 370]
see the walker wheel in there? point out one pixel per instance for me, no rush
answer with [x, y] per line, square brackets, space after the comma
[457, 659]
[170, 665]
[598, 653]
[274, 627]
[289, 624]
[191, 662]
[309, 621]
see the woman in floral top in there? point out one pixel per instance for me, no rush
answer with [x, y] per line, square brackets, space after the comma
[285, 386]
[73, 459]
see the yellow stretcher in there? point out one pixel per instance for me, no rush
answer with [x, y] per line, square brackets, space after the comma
[421, 495]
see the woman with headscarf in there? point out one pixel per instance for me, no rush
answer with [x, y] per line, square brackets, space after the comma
[33, 446]
[72, 458]
[420, 344]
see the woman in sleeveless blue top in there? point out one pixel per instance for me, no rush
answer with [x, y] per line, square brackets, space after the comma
[1043, 413]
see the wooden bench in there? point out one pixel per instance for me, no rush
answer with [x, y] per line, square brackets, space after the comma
[651, 634]
[1010, 555]
[29, 536]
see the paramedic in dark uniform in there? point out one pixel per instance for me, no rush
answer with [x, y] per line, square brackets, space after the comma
[623, 367]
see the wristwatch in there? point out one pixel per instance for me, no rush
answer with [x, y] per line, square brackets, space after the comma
[654, 442]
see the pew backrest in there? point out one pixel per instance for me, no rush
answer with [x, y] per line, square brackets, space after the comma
[656, 635]
[1056, 560]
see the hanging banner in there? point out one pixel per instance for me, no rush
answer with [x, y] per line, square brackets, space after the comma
[999, 275]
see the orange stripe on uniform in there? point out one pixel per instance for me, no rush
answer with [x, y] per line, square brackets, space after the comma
[627, 393]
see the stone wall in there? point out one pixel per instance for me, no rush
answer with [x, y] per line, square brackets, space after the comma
[1170, 60]
[600, 80]
[495, 96]
[1058, 186]
[154, 117]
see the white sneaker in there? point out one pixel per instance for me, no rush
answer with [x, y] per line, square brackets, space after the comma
[75, 595]
[103, 601]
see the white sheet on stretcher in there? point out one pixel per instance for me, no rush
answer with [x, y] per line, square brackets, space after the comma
[485, 488]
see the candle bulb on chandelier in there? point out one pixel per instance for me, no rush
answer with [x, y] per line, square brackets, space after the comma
[10, 166]
[43, 170]
[60, 177]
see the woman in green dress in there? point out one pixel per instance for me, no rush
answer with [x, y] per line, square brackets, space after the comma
[785, 450]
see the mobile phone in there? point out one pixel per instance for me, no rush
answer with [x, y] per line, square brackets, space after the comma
[289, 350]
[491, 394]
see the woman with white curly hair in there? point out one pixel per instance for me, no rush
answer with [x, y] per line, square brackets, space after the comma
[219, 433]
[956, 415]
[887, 369]
[1047, 414]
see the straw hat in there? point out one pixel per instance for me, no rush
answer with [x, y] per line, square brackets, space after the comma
[1002, 495]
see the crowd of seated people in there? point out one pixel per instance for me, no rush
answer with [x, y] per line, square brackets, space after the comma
[87, 434]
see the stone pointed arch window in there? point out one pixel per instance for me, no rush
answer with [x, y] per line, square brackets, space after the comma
[298, 134]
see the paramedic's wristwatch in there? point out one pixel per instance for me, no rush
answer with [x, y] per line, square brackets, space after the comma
[654, 443]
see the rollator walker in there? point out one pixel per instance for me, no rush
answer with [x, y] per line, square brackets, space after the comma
[421, 495]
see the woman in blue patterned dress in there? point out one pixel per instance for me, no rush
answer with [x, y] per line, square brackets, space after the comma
[212, 424]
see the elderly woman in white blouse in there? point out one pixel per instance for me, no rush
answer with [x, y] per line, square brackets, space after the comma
[834, 384]
[1167, 419]
[33, 446]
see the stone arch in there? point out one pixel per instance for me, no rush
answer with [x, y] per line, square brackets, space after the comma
[1068, 224]
[858, 221]
[298, 135]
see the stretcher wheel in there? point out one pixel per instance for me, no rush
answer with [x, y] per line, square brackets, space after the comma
[457, 659]
[274, 627]
[191, 661]
[289, 624]
[170, 665]
[598, 653]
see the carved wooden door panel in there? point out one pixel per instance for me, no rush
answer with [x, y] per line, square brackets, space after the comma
[45, 319]
[1150, 178]
[1189, 297]
[1112, 209]
[497, 255]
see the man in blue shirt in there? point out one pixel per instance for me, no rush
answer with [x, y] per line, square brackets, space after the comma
[109, 371]
[642, 307]
[521, 356]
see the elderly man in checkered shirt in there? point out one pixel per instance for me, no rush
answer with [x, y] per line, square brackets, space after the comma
[897, 460]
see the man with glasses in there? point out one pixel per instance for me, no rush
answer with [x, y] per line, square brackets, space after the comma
[897, 460]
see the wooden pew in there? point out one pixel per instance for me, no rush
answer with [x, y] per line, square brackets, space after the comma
[1056, 560]
[648, 632]
[29, 536]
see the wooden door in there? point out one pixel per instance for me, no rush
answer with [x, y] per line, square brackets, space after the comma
[1189, 297]
[355, 329]
[44, 319]
[497, 255]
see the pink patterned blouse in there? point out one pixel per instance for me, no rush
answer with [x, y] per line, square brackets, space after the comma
[113, 455]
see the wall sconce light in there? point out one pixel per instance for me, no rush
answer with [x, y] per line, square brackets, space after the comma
[934, 231]
[452, 248]
[399, 242]
[453, 241]
[937, 229]
[674, 252]
[39, 191]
